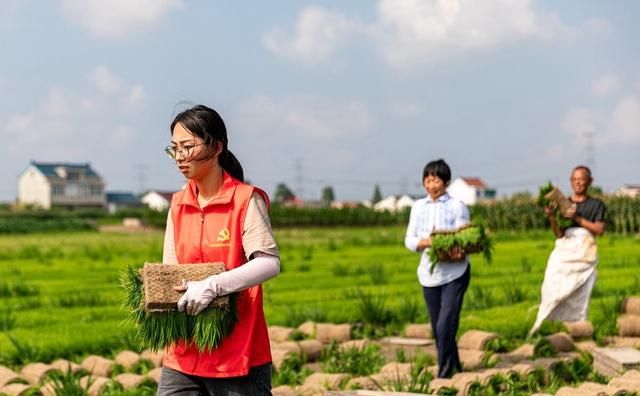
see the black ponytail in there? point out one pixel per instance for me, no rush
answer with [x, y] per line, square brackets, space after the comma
[230, 163]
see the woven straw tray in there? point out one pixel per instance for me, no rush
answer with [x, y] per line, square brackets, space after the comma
[159, 279]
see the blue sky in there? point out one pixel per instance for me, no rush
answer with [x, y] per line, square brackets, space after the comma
[347, 94]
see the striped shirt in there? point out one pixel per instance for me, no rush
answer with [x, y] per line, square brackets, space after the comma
[445, 213]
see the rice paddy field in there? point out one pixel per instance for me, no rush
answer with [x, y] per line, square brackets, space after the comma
[60, 294]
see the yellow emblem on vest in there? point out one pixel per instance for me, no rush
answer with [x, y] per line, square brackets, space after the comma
[223, 235]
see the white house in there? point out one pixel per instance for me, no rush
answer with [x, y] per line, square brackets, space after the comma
[157, 200]
[60, 184]
[629, 190]
[393, 203]
[470, 190]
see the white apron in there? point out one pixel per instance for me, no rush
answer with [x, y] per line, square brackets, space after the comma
[569, 278]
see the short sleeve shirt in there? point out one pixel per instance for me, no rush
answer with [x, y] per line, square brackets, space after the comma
[591, 209]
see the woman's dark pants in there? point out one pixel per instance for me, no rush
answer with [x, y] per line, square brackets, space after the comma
[444, 303]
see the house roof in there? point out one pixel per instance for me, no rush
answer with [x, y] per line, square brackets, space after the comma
[122, 197]
[49, 168]
[474, 181]
[164, 194]
[631, 186]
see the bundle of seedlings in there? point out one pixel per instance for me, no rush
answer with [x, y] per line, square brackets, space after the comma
[152, 303]
[551, 196]
[470, 238]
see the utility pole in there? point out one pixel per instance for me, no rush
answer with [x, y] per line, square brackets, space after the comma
[299, 178]
[141, 176]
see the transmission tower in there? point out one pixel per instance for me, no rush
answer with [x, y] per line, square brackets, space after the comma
[589, 149]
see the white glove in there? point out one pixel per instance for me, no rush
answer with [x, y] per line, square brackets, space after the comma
[197, 295]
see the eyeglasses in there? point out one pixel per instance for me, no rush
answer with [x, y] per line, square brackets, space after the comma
[185, 151]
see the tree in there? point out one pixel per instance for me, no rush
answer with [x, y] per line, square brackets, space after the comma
[377, 195]
[283, 193]
[327, 196]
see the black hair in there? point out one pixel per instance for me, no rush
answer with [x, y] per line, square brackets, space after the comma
[437, 168]
[207, 124]
[584, 168]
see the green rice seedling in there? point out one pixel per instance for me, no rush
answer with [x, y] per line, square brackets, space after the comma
[357, 361]
[525, 265]
[497, 344]
[332, 246]
[605, 313]
[84, 299]
[378, 274]
[401, 356]
[307, 253]
[418, 383]
[448, 391]
[304, 267]
[156, 330]
[21, 289]
[475, 389]
[514, 292]
[117, 369]
[563, 222]
[68, 384]
[340, 270]
[7, 319]
[471, 239]
[18, 289]
[479, 297]
[409, 310]
[496, 384]
[372, 308]
[142, 367]
[544, 348]
[24, 353]
[297, 335]
[291, 372]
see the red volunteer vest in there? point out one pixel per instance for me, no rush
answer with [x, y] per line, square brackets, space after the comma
[214, 234]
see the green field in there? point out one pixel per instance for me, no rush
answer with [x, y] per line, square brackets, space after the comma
[60, 294]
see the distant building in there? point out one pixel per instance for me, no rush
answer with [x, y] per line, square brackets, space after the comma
[345, 204]
[122, 200]
[61, 184]
[629, 190]
[471, 190]
[393, 203]
[157, 200]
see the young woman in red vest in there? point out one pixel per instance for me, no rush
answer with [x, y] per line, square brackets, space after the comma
[218, 218]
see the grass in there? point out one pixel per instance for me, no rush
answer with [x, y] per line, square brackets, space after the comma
[65, 300]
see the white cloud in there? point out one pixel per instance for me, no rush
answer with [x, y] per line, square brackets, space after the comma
[619, 125]
[624, 123]
[61, 124]
[598, 26]
[416, 32]
[605, 85]
[578, 121]
[105, 80]
[423, 31]
[117, 18]
[306, 116]
[137, 96]
[120, 135]
[318, 33]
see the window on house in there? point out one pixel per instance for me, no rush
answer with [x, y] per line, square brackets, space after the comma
[96, 190]
[58, 189]
[73, 175]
